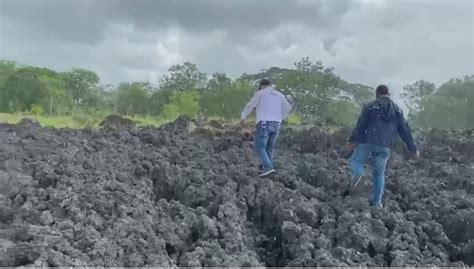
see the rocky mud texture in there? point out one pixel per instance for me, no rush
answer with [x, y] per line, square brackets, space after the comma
[188, 196]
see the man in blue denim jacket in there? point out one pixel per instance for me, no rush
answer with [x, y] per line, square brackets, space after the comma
[271, 107]
[379, 124]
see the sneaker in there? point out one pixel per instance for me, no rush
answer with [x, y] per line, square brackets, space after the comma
[266, 173]
[377, 205]
[352, 183]
[356, 181]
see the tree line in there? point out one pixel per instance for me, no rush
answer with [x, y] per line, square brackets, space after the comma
[449, 106]
[315, 91]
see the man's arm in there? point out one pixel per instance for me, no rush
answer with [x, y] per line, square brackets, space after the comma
[360, 127]
[251, 105]
[405, 133]
[285, 108]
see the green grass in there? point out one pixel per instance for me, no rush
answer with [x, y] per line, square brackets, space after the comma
[148, 121]
[294, 119]
[77, 121]
[9, 118]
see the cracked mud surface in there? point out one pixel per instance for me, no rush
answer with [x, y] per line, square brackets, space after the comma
[164, 197]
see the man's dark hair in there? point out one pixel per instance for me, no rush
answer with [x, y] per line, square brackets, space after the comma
[382, 90]
[264, 82]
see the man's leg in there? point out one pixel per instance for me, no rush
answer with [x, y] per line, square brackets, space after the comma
[381, 156]
[274, 130]
[261, 141]
[358, 160]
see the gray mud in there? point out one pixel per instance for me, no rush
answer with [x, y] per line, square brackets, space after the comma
[169, 196]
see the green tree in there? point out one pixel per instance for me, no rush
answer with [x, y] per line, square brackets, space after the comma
[182, 103]
[342, 111]
[108, 98]
[158, 100]
[23, 88]
[226, 98]
[414, 94]
[311, 86]
[219, 81]
[182, 77]
[360, 94]
[450, 106]
[83, 86]
[56, 101]
[305, 65]
[133, 98]
[6, 69]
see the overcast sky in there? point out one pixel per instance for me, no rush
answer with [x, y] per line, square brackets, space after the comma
[394, 41]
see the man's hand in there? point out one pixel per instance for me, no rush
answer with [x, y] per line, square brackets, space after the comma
[351, 146]
[242, 122]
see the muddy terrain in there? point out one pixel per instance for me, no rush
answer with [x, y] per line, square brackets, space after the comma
[187, 195]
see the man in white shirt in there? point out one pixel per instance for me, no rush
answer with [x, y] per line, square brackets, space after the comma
[272, 107]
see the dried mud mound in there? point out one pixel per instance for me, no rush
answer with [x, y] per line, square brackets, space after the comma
[190, 197]
[115, 122]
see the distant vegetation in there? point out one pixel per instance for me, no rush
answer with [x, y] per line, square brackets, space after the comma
[318, 95]
[449, 106]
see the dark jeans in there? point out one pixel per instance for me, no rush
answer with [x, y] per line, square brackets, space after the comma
[265, 138]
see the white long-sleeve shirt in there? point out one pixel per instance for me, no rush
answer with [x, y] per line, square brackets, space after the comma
[271, 105]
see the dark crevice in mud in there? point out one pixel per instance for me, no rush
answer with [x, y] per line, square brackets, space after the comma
[388, 258]
[170, 250]
[454, 254]
[268, 233]
[371, 250]
[269, 247]
[213, 208]
[22, 261]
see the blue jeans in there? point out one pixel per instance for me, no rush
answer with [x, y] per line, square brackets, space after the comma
[380, 156]
[265, 138]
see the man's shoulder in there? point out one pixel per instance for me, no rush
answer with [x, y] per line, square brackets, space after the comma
[278, 92]
[369, 104]
[377, 103]
[398, 109]
[270, 91]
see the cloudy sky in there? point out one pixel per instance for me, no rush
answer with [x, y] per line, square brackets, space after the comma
[393, 41]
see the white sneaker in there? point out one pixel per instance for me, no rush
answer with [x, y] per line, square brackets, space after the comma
[266, 173]
[354, 183]
[377, 206]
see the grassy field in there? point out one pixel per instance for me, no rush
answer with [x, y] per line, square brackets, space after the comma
[75, 121]
[79, 121]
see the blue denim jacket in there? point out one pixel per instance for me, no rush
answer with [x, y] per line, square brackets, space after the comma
[380, 122]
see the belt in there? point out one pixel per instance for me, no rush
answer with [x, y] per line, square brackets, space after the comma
[267, 121]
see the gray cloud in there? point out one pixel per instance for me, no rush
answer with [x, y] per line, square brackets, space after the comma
[371, 42]
[86, 20]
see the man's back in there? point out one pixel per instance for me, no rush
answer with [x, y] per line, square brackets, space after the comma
[380, 122]
[270, 104]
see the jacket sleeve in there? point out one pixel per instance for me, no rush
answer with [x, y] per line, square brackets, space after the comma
[361, 125]
[405, 132]
[251, 105]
